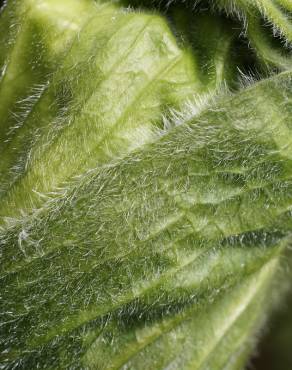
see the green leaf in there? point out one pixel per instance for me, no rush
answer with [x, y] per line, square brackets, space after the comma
[134, 236]
[114, 83]
[164, 258]
[81, 107]
[34, 38]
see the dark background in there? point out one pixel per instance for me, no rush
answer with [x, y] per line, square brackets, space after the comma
[275, 349]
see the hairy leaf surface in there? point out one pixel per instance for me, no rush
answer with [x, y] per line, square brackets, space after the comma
[153, 262]
[145, 193]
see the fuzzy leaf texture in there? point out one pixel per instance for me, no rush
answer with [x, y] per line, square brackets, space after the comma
[133, 236]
